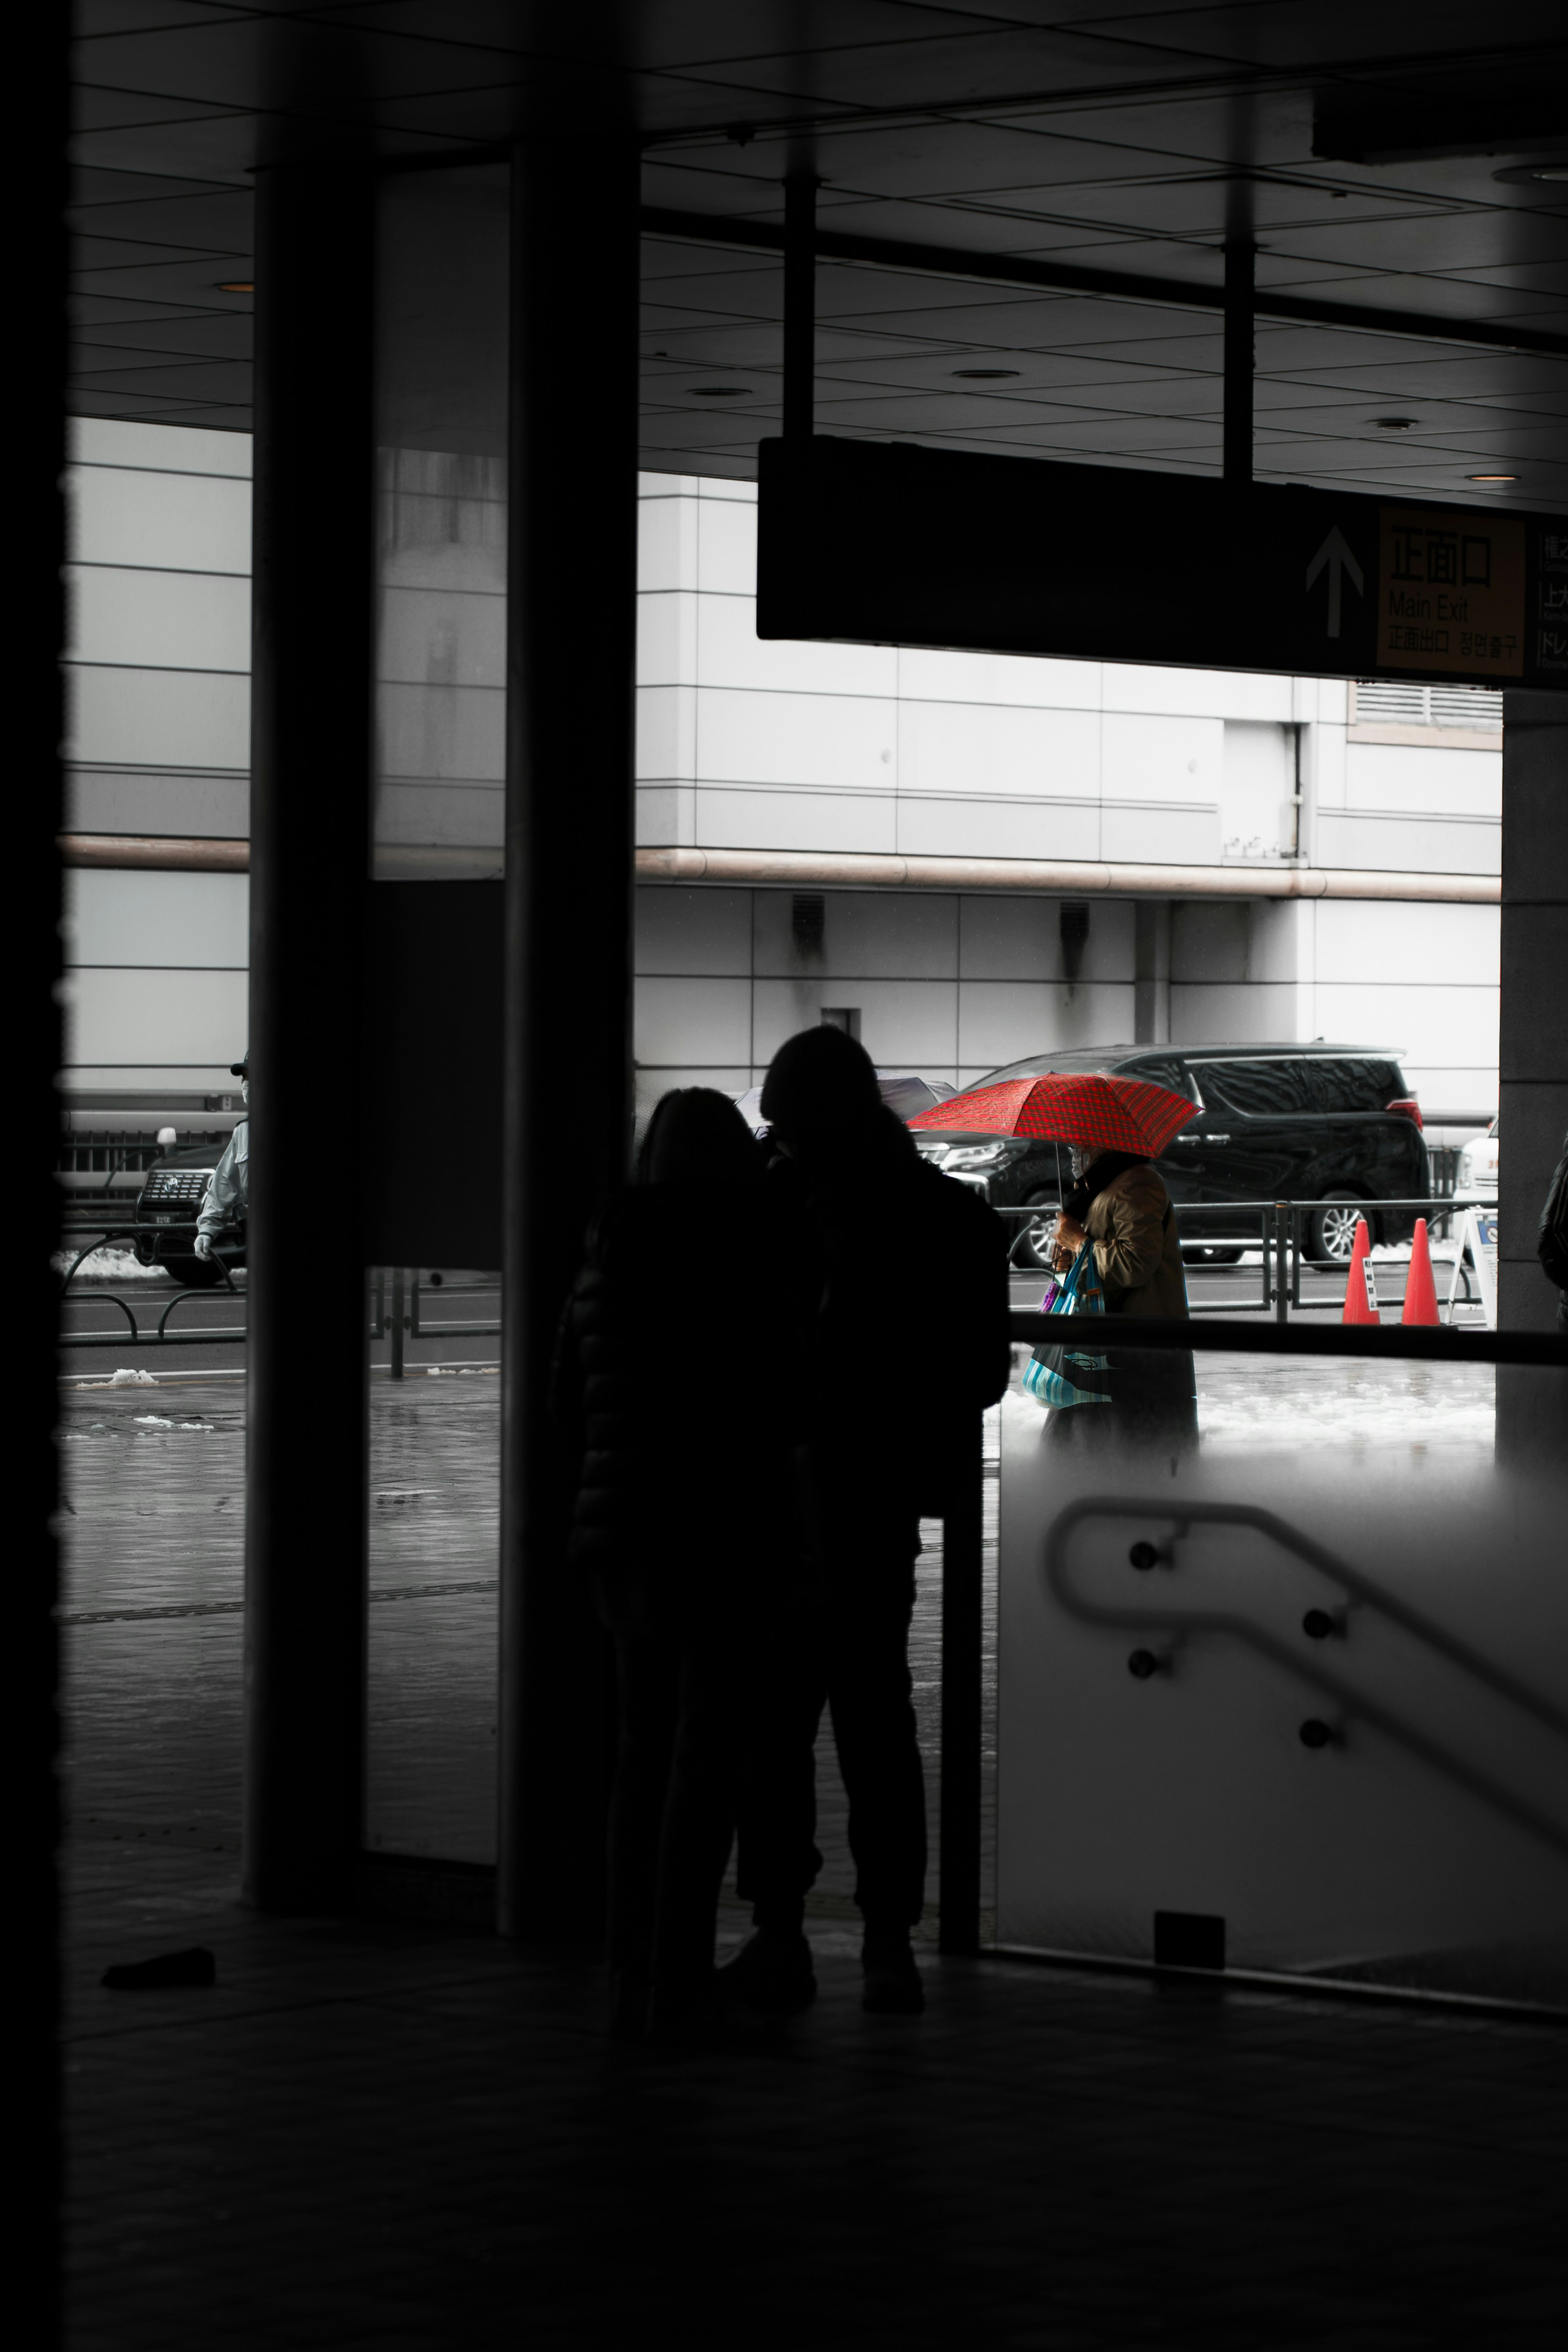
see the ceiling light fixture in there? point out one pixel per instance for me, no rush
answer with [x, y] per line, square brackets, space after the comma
[234, 286]
[1520, 175]
[1395, 423]
[1491, 478]
[719, 391]
[986, 375]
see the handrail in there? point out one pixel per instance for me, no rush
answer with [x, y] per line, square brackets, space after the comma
[1441, 1344]
[1350, 1701]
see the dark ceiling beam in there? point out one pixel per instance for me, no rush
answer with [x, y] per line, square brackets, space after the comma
[1064, 278]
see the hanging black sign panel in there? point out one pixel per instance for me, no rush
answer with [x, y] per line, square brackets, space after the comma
[900, 545]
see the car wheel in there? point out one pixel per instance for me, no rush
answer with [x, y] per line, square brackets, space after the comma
[194, 1273]
[1331, 1229]
[1034, 1233]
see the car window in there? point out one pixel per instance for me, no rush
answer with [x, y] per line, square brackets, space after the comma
[1352, 1082]
[1164, 1070]
[1257, 1089]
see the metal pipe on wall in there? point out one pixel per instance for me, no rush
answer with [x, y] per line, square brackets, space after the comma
[571, 686]
[304, 1578]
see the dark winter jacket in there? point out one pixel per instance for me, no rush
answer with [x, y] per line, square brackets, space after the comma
[902, 1278]
[676, 1388]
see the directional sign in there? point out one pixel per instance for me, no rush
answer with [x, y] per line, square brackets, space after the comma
[895, 544]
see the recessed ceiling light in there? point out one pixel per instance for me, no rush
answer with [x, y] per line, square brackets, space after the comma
[1395, 423]
[1491, 478]
[1521, 174]
[234, 286]
[719, 391]
[987, 376]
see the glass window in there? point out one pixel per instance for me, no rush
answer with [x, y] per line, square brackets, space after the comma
[1349, 1082]
[1164, 1070]
[1257, 1089]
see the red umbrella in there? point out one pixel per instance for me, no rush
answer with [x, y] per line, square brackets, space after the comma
[1097, 1112]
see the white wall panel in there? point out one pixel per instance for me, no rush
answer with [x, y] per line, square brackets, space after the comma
[1002, 1022]
[159, 448]
[693, 932]
[1427, 1020]
[201, 921]
[157, 718]
[730, 817]
[1190, 693]
[120, 1019]
[731, 653]
[666, 731]
[930, 675]
[1159, 837]
[965, 747]
[1411, 778]
[844, 741]
[1392, 942]
[1158, 759]
[939, 828]
[902, 1023]
[691, 1020]
[167, 620]
[726, 547]
[1408, 844]
[666, 638]
[164, 522]
[667, 537]
[890, 935]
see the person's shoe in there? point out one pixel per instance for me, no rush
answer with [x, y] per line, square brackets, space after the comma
[892, 1981]
[772, 1974]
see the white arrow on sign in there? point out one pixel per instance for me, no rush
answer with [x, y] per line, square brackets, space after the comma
[1339, 560]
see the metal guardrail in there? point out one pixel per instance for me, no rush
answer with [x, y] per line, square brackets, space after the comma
[1280, 1237]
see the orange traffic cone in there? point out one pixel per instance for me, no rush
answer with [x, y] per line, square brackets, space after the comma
[1360, 1298]
[1420, 1290]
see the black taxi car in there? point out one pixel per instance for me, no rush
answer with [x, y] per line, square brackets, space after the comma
[1336, 1125]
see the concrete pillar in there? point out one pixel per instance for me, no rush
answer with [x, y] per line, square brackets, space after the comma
[570, 682]
[304, 1553]
[1533, 1041]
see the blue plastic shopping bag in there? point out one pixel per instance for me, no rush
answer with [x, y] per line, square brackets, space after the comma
[1060, 1372]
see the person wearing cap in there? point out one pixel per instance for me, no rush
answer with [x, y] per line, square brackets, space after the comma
[225, 1201]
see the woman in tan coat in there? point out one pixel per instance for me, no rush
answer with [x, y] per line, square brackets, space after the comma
[1119, 1207]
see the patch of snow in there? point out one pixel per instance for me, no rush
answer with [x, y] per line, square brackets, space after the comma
[107, 1266]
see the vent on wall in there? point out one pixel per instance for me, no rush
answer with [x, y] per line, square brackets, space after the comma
[1075, 938]
[808, 921]
[1390, 702]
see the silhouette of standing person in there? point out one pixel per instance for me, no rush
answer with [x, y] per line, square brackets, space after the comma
[900, 1275]
[678, 1523]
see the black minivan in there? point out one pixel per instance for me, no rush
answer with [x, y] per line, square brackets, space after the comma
[1332, 1124]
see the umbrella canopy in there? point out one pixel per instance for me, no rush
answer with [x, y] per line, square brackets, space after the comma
[1096, 1112]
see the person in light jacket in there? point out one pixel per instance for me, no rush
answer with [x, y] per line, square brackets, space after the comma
[1119, 1209]
[228, 1196]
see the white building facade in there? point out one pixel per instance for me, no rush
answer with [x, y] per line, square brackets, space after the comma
[795, 778]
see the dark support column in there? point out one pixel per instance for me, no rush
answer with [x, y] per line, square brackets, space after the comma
[1239, 262]
[962, 1625]
[571, 627]
[304, 1726]
[1534, 1026]
[800, 307]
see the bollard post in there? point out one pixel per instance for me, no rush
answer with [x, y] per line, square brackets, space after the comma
[1281, 1262]
[396, 1366]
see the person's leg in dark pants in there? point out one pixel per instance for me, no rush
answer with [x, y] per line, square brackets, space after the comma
[648, 1673]
[699, 1826]
[871, 1602]
[777, 1859]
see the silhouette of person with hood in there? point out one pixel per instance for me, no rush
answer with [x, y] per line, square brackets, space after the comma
[678, 1523]
[896, 1371]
